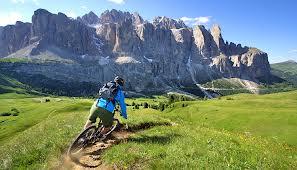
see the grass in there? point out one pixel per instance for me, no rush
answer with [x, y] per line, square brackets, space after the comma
[32, 111]
[286, 70]
[288, 66]
[15, 60]
[233, 86]
[242, 131]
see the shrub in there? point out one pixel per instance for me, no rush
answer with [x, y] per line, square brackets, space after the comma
[161, 106]
[171, 98]
[156, 107]
[136, 106]
[14, 110]
[229, 98]
[15, 114]
[145, 105]
[5, 114]
[178, 97]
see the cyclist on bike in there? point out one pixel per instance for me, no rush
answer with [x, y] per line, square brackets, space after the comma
[104, 106]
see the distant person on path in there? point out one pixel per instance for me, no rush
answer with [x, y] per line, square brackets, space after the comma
[109, 95]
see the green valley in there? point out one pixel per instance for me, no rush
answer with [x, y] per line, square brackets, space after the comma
[242, 131]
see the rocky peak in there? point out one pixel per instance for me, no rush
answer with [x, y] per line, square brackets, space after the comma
[40, 21]
[114, 16]
[41, 11]
[14, 37]
[137, 19]
[63, 32]
[168, 23]
[234, 49]
[204, 44]
[89, 19]
[217, 36]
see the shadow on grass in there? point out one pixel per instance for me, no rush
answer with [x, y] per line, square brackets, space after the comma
[146, 125]
[155, 139]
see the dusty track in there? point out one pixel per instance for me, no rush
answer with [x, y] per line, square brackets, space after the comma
[91, 156]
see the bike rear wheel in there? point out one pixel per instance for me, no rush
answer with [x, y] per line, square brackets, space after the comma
[82, 141]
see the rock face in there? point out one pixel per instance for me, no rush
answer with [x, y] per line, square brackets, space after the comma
[58, 30]
[89, 19]
[14, 37]
[217, 37]
[204, 45]
[168, 23]
[157, 56]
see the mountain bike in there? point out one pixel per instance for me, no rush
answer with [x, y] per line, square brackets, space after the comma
[90, 136]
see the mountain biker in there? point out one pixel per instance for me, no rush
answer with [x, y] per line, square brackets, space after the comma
[103, 108]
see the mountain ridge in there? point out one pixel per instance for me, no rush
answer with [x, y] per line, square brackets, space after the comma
[165, 53]
[286, 70]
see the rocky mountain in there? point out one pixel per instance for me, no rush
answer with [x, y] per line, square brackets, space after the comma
[168, 23]
[153, 57]
[14, 37]
[89, 19]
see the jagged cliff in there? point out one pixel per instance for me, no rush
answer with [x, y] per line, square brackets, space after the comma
[157, 56]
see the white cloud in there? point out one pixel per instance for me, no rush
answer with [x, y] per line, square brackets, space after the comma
[293, 51]
[117, 1]
[9, 18]
[36, 2]
[18, 1]
[84, 7]
[71, 14]
[203, 20]
[196, 21]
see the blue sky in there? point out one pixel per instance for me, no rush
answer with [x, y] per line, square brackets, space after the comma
[270, 25]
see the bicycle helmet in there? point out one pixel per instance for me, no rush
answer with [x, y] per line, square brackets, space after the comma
[119, 80]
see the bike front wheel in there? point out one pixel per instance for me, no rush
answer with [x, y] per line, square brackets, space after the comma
[82, 141]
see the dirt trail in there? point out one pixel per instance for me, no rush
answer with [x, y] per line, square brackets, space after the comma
[91, 158]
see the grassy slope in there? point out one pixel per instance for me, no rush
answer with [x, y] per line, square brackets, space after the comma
[11, 85]
[225, 83]
[242, 131]
[247, 131]
[286, 70]
[33, 110]
[8, 84]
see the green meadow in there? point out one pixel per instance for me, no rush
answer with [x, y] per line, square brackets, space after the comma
[242, 131]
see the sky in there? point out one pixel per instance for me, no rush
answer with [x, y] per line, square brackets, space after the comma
[270, 25]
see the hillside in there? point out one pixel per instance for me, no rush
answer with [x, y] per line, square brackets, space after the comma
[286, 70]
[242, 131]
[9, 84]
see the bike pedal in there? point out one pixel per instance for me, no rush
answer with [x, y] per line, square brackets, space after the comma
[103, 137]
